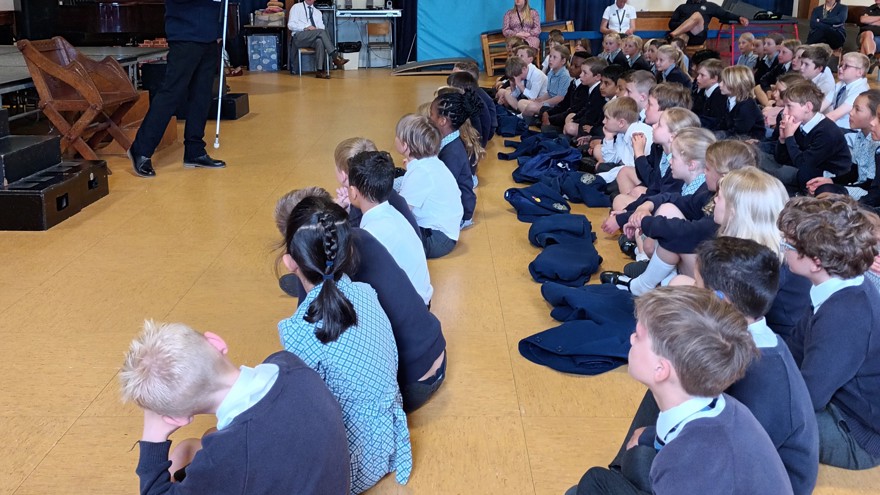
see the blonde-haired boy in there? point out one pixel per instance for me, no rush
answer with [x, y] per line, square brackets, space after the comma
[278, 410]
[851, 83]
[621, 122]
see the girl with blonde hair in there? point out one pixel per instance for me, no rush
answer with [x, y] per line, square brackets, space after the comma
[670, 67]
[743, 118]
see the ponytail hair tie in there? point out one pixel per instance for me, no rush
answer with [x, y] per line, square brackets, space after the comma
[329, 264]
[719, 294]
[327, 277]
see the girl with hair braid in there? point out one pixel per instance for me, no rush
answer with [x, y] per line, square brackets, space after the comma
[340, 330]
[449, 111]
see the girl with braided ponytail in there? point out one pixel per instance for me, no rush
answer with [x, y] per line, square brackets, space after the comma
[449, 111]
[340, 330]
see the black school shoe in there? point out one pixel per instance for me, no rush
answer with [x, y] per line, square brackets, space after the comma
[627, 246]
[204, 161]
[619, 279]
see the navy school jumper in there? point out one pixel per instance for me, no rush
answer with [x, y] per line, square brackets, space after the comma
[456, 159]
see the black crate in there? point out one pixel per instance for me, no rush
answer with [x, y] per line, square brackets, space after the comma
[47, 198]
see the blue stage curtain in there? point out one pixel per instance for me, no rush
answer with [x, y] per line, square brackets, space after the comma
[406, 30]
[452, 28]
[586, 14]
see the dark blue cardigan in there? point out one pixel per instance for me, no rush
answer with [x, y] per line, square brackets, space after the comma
[291, 441]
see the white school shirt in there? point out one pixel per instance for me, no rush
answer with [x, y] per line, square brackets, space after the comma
[820, 293]
[392, 229]
[432, 192]
[852, 91]
[619, 19]
[620, 149]
[825, 82]
[299, 17]
[672, 421]
[535, 83]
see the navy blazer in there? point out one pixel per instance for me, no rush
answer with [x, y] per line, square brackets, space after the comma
[770, 77]
[648, 171]
[639, 63]
[761, 67]
[744, 120]
[675, 76]
[823, 149]
[712, 109]
[592, 113]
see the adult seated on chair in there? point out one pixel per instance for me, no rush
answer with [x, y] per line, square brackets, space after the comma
[827, 24]
[306, 26]
[522, 22]
[869, 31]
[690, 20]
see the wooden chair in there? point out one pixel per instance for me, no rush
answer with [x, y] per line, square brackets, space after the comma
[495, 49]
[84, 99]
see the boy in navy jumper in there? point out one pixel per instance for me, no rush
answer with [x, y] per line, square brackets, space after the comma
[831, 242]
[809, 144]
[747, 274]
[688, 347]
[279, 430]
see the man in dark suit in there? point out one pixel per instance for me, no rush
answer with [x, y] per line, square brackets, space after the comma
[192, 28]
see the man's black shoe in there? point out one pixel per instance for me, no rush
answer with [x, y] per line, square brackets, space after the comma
[203, 161]
[142, 165]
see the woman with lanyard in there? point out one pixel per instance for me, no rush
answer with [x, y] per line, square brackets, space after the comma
[619, 18]
[826, 24]
[523, 22]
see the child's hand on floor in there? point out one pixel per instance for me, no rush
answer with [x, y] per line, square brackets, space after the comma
[610, 225]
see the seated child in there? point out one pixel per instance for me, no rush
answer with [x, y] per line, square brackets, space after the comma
[341, 331]
[654, 168]
[743, 117]
[485, 122]
[611, 51]
[688, 347]
[747, 273]
[773, 111]
[638, 85]
[650, 50]
[279, 409]
[558, 79]
[621, 122]
[449, 111]
[371, 177]
[346, 149]
[814, 67]
[747, 55]
[681, 44]
[526, 80]
[428, 186]
[862, 147]
[574, 97]
[818, 147]
[661, 97]
[709, 103]
[770, 47]
[418, 334]
[851, 73]
[513, 44]
[581, 120]
[608, 89]
[670, 66]
[832, 243]
[583, 45]
[784, 57]
[554, 38]
[632, 48]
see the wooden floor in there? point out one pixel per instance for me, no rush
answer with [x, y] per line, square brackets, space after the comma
[197, 246]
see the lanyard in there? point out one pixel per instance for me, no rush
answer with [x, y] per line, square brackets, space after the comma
[620, 18]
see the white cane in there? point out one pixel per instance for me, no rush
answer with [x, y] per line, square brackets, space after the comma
[222, 73]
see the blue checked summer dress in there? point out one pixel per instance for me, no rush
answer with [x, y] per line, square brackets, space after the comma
[360, 369]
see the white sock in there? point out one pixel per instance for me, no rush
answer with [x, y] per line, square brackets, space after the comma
[655, 273]
[640, 256]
